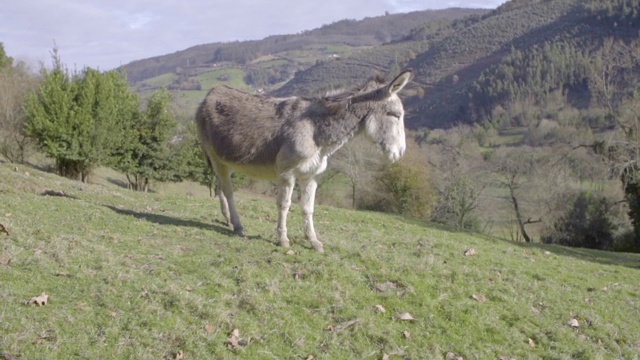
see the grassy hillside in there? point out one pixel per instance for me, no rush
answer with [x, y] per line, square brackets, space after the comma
[153, 276]
[267, 64]
[348, 32]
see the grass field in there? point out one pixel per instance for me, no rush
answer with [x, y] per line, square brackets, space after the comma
[156, 276]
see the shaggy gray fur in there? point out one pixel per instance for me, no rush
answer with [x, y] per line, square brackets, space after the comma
[285, 139]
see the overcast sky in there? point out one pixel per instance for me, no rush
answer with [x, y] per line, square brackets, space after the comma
[104, 34]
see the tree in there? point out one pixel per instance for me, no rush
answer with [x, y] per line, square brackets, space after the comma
[459, 181]
[356, 163]
[611, 68]
[513, 167]
[15, 84]
[613, 82]
[193, 164]
[5, 61]
[406, 183]
[78, 119]
[587, 223]
[145, 152]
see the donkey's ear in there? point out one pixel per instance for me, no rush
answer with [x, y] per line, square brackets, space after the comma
[399, 82]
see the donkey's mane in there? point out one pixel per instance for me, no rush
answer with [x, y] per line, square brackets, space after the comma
[339, 95]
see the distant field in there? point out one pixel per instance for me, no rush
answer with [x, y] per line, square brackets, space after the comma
[157, 276]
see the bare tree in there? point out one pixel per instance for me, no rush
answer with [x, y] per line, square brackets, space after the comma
[513, 169]
[358, 162]
[15, 83]
[459, 180]
[611, 75]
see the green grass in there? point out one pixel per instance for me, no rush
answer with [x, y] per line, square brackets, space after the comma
[160, 80]
[143, 276]
[235, 78]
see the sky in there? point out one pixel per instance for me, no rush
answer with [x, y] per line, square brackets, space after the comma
[104, 34]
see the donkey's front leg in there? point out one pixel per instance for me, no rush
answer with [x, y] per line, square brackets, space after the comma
[307, 199]
[285, 189]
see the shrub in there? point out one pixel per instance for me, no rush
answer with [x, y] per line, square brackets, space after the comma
[589, 223]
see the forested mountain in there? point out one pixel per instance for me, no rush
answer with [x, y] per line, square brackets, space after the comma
[457, 66]
[368, 32]
[525, 49]
[470, 65]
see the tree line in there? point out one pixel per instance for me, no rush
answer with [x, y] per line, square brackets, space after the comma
[85, 119]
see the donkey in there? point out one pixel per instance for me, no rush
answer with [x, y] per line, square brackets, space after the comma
[285, 139]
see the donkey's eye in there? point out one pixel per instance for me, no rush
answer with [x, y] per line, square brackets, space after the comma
[394, 114]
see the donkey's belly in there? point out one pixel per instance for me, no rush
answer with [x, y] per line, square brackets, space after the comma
[262, 172]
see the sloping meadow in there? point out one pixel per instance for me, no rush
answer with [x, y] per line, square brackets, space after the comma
[99, 272]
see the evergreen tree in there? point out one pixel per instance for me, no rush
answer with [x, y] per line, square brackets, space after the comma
[77, 119]
[145, 152]
[5, 61]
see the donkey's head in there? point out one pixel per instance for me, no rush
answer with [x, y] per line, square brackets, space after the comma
[384, 120]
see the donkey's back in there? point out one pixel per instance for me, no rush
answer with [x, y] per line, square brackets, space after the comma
[242, 130]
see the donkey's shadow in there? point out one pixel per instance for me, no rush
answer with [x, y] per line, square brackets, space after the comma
[168, 220]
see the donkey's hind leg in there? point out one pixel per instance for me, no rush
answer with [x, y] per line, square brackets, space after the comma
[307, 199]
[224, 204]
[227, 203]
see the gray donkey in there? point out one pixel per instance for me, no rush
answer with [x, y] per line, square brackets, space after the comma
[285, 139]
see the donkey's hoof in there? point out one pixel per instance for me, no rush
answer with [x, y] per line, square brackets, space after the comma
[285, 243]
[318, 246]
[238, 232]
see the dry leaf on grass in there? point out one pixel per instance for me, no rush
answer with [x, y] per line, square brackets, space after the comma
[182, 248]
[113, 314]
[452, 356]
[479, 298]
[290, 252]
[209, 328]
[188, 288]
[342, 326]
[386, 357]
[406, 334]
[234, 342]
[4, 230]
[404, 316]
[379, 308]
[5, 261]
[535, 310]
[310, 357]
[386, 286]
[506, 358]
[44, 336]
[470, 252]
[39, 300]
[574, 323]
[7, 356]
[179, 355]
[532, 343]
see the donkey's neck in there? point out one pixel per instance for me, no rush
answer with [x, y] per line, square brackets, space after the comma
[333, 132]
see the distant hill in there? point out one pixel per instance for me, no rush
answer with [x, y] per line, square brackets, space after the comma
[469, 63]
[464, 49]
[371, 31]
[456, 63]
[267, 64]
